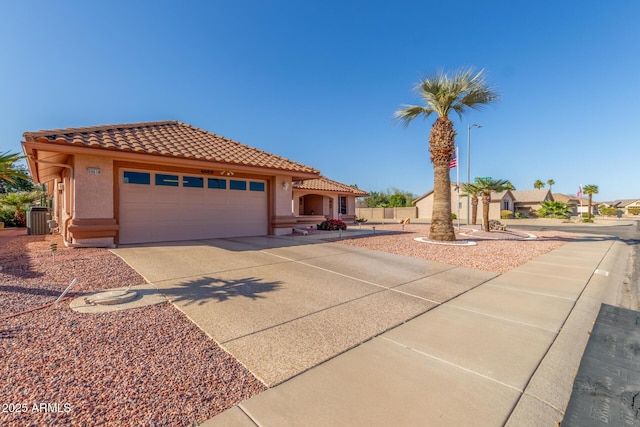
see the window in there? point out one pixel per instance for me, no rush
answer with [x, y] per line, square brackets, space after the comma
[256, 186]
[217, 183]
[137, 178]
[237, 185]
[343, 205]
[505, 205]
[168, 180]
[193, 181]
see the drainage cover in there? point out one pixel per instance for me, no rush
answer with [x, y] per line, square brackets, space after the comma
[111, 297]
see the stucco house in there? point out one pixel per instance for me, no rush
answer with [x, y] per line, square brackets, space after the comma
[164, 181]
[529, 201]
[523, 201]
[316, 199]
[503, 200]
[627, 206]
[571, 201]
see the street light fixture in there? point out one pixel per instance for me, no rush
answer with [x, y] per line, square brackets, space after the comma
[469, 166]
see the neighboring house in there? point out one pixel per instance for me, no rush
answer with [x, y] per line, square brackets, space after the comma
[571, 201]
[162, 181]
[524, 202]
[627, 206]
[503, 200]
[320, 198]
[529, 201]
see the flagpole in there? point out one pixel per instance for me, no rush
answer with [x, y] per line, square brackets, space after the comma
[458, 186]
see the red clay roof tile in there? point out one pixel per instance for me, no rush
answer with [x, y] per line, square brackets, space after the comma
[167, 138]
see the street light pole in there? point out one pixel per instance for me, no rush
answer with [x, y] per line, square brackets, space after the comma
[469, 167]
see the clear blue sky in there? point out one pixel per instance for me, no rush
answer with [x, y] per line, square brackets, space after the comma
[318, 81]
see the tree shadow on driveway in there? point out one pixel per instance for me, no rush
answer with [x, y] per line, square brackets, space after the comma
[205, 289]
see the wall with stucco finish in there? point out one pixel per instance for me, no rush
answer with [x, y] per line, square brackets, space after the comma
[93, 193]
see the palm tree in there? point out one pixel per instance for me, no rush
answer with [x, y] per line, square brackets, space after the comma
[486, 186]
[509, 186]
[590, 189]
[554, 209]
[443, 93]
[19, 202]
[471, 190]
[538, 184]
[7, 171]
[551, 183]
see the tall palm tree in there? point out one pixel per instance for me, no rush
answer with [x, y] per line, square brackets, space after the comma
[486, 186]
[538, 184]
[7, 170]
[443, 93]
[551, 183]
[590, 189]
[471, 190]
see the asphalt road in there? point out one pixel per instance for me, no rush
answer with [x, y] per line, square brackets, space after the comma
[629, 296]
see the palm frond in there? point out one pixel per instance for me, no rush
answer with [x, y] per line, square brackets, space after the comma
[410, 112]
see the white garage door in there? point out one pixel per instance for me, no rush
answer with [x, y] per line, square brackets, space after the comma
[165, 206]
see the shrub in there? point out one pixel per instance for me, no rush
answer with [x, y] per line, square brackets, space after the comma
[608, 211]
[361, 220]
[519, 215]
[453, 216]
[7, 215]
[505, 214]
[332, 224]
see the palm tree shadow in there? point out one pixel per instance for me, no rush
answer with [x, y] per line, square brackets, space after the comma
[205, 289]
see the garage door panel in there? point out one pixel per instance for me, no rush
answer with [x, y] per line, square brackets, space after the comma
[150, 213]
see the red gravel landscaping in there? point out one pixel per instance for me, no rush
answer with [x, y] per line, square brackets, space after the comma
[145, 366]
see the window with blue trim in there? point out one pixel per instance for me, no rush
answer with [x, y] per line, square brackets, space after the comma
[167, 180]
[256, 186]
[137, 178]
[237, 185]
[220, 184]
[193, 181]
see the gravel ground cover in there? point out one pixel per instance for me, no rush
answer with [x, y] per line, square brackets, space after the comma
[145, 366]
[495, 251]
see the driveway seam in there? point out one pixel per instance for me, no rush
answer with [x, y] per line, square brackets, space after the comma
[462, 368]
[503, 318]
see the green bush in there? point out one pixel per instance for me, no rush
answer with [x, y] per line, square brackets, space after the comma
[505, 214]
[608, 211]
[453, 216]
[7, 215]
[519, 215]
[332, 224]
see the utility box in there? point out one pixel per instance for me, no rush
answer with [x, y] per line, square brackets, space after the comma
[37, 217]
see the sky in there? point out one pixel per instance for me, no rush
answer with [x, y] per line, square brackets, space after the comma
[318, 82]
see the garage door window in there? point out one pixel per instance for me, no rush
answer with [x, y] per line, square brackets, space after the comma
[217, 183]
[137, 178]
[238, 185]
[256, 186]
[192, 181]
[168, 180]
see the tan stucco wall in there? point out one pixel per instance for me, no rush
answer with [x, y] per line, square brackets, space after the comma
[93, 193]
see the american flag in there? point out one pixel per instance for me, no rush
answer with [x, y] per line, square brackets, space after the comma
[454, 160]
[580, 192]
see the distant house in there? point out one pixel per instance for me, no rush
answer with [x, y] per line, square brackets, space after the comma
[503, 200]
[525, 202]
[571, 201]
[627, 206]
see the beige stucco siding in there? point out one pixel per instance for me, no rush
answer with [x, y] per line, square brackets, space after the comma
[93, 192]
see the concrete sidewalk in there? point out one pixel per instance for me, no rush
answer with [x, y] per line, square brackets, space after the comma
[503, 353]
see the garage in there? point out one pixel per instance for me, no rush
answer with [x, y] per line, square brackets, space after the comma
[156, 206]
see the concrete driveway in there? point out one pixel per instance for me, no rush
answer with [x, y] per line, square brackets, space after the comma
[282, 305]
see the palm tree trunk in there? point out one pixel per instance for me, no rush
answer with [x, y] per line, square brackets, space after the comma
[441, 144]
[474, 210]
[589, 213]
[485, 212]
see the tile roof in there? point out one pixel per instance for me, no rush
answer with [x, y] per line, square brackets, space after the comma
[326, 184]
[531, 196]
[167, 138]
